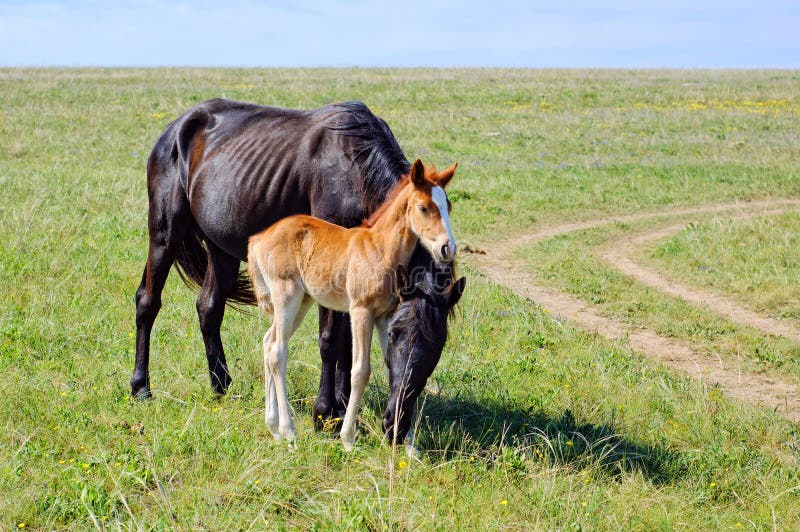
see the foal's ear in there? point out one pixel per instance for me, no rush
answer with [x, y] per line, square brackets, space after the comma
[445, 176]
[417, 174]
[455, 292]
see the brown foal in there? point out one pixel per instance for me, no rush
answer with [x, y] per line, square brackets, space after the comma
[302, 259]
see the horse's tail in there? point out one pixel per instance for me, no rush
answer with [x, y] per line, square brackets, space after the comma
[191, 261]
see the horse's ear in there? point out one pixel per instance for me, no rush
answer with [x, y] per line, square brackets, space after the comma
[445, 176]
[417, 174]
[455, 291]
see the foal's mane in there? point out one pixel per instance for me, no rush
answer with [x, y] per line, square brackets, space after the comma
[430, 175]
[390, 197]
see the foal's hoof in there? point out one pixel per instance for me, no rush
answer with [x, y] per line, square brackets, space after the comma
[348, 441]
[411, 450]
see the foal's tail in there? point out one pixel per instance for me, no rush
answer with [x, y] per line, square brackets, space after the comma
[191, 262]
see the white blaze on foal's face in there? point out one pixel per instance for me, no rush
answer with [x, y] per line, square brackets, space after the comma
[430, 211]
[440, 199]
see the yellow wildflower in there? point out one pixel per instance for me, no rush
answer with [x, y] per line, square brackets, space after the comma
[403, 464]
[503, 502]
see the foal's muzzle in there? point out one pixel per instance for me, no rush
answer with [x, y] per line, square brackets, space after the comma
[448, 252]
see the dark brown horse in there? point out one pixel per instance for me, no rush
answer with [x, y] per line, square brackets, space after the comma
[225, 170]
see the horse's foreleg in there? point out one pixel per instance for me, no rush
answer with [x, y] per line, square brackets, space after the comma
[382, 326]
[335, 350]
[362, 321]
[219, 280]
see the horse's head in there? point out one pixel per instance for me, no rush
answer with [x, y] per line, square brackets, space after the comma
[417, 334]
[429, 211]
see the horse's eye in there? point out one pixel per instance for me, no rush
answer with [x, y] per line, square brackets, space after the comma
[423, 209]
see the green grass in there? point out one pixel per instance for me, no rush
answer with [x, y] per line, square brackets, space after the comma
[754, 260]
[530, 424]
[570, 263]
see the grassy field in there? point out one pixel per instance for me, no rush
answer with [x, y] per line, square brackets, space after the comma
[569, 262]
[529, 423]
[753, 260]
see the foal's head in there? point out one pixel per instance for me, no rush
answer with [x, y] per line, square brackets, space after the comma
[429, 211]
[417, 334]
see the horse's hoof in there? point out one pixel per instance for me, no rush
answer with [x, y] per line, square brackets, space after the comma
[142, 395]
[140, 387]
[325, 418]
[220, 386]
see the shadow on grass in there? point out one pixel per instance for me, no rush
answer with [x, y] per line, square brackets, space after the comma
[506, 434]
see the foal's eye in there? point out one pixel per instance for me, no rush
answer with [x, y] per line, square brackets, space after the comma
[422, 208]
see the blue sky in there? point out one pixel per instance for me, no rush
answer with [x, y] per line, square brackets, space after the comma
[583, 33]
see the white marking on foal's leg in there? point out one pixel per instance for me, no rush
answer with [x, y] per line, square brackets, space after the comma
[440, 199]
[270, 399]
[287, 301]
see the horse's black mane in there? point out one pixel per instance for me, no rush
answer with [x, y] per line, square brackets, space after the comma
[373, 147]
[406, 317]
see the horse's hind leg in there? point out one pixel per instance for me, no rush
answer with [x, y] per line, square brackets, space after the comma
[220, 277]
[167, 229]
[335, 349]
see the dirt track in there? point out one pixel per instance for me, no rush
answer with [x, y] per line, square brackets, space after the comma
[500, 266]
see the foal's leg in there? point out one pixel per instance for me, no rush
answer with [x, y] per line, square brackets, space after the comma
[221, 274]
[362, 322]
[270, 399]
[289, 301]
